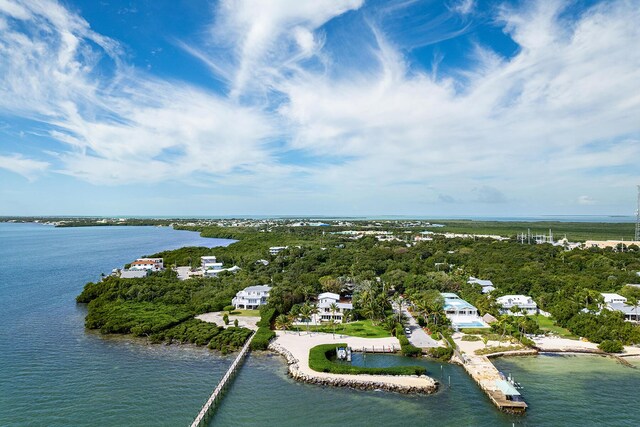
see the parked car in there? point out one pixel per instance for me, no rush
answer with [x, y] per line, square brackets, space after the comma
[407, 331]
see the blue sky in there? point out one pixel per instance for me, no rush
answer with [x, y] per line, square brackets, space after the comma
[324, 107]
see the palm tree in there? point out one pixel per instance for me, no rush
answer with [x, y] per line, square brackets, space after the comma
[398, 301]
[283, 322]
[333, 307]
[314, 310]
[305, 314]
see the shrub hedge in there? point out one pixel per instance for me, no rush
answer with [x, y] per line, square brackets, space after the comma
[320, 360]
[406, 347]
[611, 346]
[441, 353]
[264, 334]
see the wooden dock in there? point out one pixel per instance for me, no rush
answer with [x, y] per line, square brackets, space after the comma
[377, 349]
[205, 412]
[489, 379]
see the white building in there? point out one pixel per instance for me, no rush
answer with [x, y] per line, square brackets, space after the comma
[616, 302]
[275, 250]
[210, 263]
[149, 264]
[461, 313]
[215, 273]
[325, 314]
[613, 298]
[252, 297]
[631, 313]
[524, 303]
[487, 285]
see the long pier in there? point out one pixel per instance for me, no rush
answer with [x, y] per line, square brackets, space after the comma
[207, 408]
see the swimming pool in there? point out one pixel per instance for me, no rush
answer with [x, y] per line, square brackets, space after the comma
[474, 324]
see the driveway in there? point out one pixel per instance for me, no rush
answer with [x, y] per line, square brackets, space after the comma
[418, 336]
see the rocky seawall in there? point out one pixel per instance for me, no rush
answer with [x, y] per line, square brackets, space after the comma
[352, 381]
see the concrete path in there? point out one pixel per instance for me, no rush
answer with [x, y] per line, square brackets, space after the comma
[418, 336]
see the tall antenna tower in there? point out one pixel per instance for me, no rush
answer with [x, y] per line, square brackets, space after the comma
[638, 218]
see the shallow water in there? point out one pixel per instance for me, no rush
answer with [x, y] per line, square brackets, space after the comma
[52, 371]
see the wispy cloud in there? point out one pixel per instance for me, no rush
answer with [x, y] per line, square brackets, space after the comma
[28, 168]
[119, 124]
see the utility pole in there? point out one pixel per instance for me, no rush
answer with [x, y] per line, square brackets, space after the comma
[638, 218]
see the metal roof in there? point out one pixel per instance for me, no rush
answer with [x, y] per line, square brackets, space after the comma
[507, 388]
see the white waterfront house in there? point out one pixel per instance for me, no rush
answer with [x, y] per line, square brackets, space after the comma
[616, 302]
[631, 313]
[252, 297]
[325, 314]
[461, 313]
[486, 285]
[525, 303]
[275, 250]
[149, 264]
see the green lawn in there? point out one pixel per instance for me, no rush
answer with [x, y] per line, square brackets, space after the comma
[361, 328]
[320, 360]
[246, 313]
[548, 325]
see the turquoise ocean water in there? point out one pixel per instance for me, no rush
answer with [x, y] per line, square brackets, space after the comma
[54, 373]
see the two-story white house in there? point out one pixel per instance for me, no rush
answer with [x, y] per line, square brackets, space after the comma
[461, 313]
[252, 297]
[325, 313]
[149, 264]
[525, 303]
[210, 262]
[275, 250]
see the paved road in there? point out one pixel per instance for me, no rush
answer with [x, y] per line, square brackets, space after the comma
[418, 336]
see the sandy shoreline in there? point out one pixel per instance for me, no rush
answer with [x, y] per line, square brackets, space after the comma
[564, 345]
[295, 348]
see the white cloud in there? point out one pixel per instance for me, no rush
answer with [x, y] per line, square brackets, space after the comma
[122, 126]
[535, 126]
[519, 125]
[260, 35]
[28, 168]
[463, 7]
